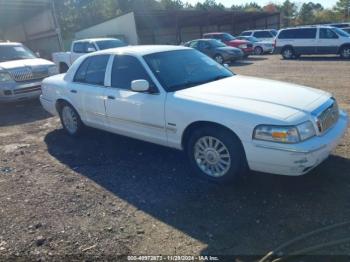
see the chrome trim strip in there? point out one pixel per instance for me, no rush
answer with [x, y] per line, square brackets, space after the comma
[290, 149]
[136, 122]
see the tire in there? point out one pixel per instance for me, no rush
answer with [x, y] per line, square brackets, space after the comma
[63, 68]
[219, 59]
[258, 50]
[288, 53]
[345, 52]
[70, 120]
[216, 154]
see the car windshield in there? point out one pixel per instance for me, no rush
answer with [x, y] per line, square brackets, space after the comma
[15, 52]
[107, 44]
[216, 43]
[341, 32]
[177, 70]
[228, 37]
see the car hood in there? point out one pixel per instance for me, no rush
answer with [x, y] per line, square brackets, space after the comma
[275, 99]
[25, 63]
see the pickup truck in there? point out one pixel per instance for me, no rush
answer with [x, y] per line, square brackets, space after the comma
[64, 60]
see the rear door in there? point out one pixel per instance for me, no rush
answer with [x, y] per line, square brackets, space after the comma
[328, 41]
[88, 89]
[305, 40]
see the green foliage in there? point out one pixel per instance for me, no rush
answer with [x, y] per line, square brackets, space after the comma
[343, 8]
[209, 5]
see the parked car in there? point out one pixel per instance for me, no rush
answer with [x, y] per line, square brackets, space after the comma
[217, 50]
[260, 47]
[177, 97]
[346, 29]
[21, 72]
[230, 40]
[64, 60]
[263, 35]
[340, 25]
[293, 42]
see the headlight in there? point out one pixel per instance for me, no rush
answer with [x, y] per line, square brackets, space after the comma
[5, 77]
[285, 134]
[243, 46]
[53, 70]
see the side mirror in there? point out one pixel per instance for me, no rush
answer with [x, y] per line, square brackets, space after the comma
[91, 49]
[140, 85]
[37, 54]
[226, 66]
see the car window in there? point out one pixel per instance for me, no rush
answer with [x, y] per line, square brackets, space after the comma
[92, 70]
[246, 33]
[262, 34]
[79, 47]
[193, 44]
[326, 33]
[304, 33]
[127, 69]
[204, 45]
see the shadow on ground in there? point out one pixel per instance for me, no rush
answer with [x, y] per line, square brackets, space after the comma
[21, 112]
[251, 217]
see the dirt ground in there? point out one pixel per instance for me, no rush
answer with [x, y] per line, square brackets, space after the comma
[103, 196]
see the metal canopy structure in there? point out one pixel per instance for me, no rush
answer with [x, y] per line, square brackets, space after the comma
[12, 11]
[32, 22]
[186, 18]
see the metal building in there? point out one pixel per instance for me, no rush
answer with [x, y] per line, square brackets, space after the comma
[32, 22]
[174, 27]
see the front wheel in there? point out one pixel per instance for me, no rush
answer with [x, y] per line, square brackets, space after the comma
[219, 59]
[345, 52]
[70, 120]
[216, 154]
[258, 50]
[288, 53]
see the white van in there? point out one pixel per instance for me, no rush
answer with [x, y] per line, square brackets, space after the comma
[293, 42]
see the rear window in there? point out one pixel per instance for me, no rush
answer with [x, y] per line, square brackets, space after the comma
[304, 33]
[263, 34]
[79, 47]
[247, 33]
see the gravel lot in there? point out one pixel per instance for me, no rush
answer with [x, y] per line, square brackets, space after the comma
[102, 195]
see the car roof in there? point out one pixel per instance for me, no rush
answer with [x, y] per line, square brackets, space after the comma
[9, 43]
[95, 39]
[215, 33]
[142, 50]
[308, 26]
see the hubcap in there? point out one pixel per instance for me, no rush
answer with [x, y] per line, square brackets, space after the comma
[69, 119]
[219, 59]
[287, 53]
[212, 156]
[258, 51]
[346, 52]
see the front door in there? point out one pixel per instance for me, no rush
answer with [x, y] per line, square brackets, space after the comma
[328, 41]
[135, 114]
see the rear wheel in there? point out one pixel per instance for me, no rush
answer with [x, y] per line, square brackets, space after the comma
[258, 50]
[345, 52]
[219, 59]
[70, 119]
[216, 154]
[288, 53]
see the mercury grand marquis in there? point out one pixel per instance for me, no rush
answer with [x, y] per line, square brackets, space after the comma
[180, 98]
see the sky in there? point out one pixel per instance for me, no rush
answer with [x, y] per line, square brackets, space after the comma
[229, 3]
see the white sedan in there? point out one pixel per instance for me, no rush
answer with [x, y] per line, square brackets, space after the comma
[180, 98]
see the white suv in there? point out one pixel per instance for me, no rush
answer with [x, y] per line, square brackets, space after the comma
[262, 35]
[293, 42]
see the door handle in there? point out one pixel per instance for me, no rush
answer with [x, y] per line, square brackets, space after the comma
[73, 91]
[111, 97]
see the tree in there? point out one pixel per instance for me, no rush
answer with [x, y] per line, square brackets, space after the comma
[289, 13]
[343, 7]
[271, 8]
[172, 4]
[209, 5]
[308, 12]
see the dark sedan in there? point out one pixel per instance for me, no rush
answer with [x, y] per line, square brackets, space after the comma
[215, 49]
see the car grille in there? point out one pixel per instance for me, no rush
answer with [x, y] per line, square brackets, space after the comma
[27, 74]
[328, 117]
[27, 90]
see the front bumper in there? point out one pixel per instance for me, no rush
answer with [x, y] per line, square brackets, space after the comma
[295, 159]
[19, 92]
